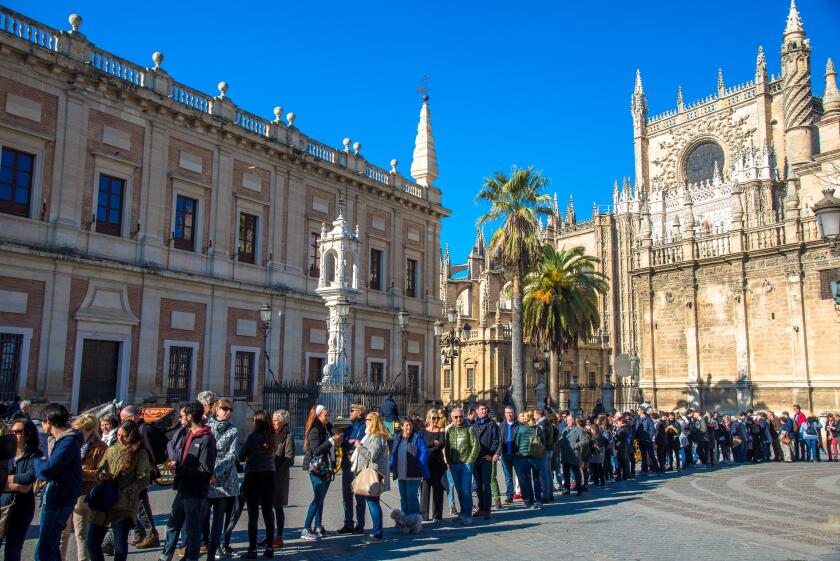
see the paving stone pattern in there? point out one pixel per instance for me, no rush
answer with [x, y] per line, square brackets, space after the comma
[765, 512]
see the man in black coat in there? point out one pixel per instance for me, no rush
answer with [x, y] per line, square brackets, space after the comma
[488, 454]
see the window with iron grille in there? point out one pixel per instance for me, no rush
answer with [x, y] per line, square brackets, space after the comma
[247, 238]
[109, 205]
[184, 231]
[314, 257]
[411, 278]
[179, 374]
[243, 375]
[375, 281]
[16, 181]
[447, 378]
[592, 380]
[471, 378]
[10, 349]
[413, 382]
[827, 276]
[377, 373]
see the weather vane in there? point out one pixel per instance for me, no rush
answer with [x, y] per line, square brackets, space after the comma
[425, 89]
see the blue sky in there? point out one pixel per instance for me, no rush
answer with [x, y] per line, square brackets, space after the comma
[528, 83]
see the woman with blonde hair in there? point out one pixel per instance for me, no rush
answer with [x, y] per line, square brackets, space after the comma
[432, 488]
[372, 452]
[92, 451]
[284, 457]
[318, 459]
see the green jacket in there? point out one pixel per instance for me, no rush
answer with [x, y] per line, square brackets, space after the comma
[523, 438]
[461, 445]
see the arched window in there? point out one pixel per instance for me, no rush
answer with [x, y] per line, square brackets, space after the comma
[331, 267]
[700, 162]
[464, 303]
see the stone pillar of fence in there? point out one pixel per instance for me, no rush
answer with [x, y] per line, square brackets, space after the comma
[221, 106]
[73, 43]
[156, 78]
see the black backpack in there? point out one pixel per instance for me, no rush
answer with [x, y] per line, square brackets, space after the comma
[810, 429]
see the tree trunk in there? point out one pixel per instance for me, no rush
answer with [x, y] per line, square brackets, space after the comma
[554, 377]
[517, 347]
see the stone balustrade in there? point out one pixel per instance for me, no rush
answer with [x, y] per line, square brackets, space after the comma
[75, 45]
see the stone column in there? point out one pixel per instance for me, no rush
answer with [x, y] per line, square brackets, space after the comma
[800, 366]
[689, 302]
[743, 390]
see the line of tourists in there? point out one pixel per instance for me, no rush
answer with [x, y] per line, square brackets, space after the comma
[94, 473]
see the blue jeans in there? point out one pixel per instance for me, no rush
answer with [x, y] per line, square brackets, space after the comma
[316, 507]
[375, 515]
[409, 496]
[507, 468]
[186, 510]
[462, 476]
[483, 476]
[545, 474]
[451, 491]
[812, 449]
[523, 473]
[53, 521]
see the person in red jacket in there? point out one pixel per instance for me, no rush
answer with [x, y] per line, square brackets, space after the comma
[798, 419]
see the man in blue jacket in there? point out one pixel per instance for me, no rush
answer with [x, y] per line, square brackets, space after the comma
[354, 432]
[63, 473]
[489, 443]
[644, 433]
[508, 430]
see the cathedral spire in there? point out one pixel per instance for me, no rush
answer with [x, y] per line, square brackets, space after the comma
[638, 106]
[794, 22]
[831, 97]
[424, 167]
[570, 212]
[680, 102]
[720, 85]
[638, 89]
[760, 66]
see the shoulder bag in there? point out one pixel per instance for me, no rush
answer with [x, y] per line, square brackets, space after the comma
[368, 483]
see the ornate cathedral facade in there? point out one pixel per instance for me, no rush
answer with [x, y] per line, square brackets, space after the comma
[719, 277]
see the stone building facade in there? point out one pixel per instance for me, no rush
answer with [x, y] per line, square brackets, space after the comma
[143, 224]
[719, 278]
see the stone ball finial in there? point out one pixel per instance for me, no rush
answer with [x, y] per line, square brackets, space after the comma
[357, 146]
[157, 58]
[75, 21]
[223, 88]
[346, 142]
[291, 118]
[278, 114]
[394, 163]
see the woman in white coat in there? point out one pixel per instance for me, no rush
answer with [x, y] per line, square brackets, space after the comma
[372, 452]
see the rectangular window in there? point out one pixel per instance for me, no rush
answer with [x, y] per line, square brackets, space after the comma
[243, 375]
[592, 381]
[184, 231]
[471, 378]
[10, 349]
[109, 205]
[377, 373]
[413, 383]
[247, 238]
[567, 379]
[179, 374]
[16, 182]
[447, 378]
[315, 369]
[411, 278]
[314, 257]
[375, 282]
[827, 276]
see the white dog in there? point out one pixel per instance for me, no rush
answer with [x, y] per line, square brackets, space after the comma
[407, 523]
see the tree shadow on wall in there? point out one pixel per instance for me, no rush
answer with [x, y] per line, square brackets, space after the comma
[721, 396]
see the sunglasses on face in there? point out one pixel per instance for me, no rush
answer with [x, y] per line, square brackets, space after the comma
[225, 408]
[435, 418]
[457, 416]
[368, 419]
[18, 431]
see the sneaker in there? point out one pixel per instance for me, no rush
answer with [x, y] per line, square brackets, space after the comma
[536, 506]
[477, 512]
[324, 533]
[310, 536]
[346, 529]
[149, 541]
[517, 496]
[370, 538]
[466, 521]
[224, 552]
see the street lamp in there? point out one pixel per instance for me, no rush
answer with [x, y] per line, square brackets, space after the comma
[265, 318]
[402, 320]
[449, 341]
[827, 211]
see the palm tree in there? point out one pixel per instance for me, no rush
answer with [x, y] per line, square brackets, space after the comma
[561, 302]
[516, 206]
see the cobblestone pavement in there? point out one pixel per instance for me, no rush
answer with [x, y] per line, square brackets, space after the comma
[766, 512]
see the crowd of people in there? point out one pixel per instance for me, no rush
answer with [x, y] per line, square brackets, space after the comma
[93, 474]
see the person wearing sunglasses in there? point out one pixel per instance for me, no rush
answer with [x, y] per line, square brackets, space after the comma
[19, 487]
[460, 452]
[431, 490]
[372, 452]
[224, 485]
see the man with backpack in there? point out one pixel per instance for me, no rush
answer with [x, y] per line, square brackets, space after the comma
[154, 441]
[489, 443]
[549, 436]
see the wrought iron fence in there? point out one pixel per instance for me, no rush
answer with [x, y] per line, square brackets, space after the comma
[298, 398]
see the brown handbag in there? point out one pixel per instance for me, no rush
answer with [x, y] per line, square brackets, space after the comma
[785, 440]
[368, 483]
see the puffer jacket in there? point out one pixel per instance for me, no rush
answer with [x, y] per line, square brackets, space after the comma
[461, 445]
[132, 479]
[523, 439]
[227, 480]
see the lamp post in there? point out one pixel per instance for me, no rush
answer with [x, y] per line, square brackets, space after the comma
[265, 318]
[402, 320]
[827, 211]
[450, 342]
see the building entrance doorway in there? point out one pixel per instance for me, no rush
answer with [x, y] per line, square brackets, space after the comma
[98, 378]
